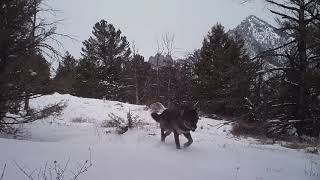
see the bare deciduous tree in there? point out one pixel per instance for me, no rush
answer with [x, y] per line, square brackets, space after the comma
[135, 51]
[168, 44]
[3, 171]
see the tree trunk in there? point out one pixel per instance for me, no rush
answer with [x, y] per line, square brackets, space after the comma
[168, 95]
[158, 80]
[33, 34]
[302, 49]
[136, 86]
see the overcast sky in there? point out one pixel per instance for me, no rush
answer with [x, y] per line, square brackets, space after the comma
[145, 21]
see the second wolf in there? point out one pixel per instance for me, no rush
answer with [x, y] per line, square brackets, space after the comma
[179, 122]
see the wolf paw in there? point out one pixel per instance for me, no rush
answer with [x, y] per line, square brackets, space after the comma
[187, 144]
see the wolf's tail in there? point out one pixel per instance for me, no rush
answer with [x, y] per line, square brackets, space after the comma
[156, 116]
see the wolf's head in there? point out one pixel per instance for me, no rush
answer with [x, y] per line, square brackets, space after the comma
[190, 117]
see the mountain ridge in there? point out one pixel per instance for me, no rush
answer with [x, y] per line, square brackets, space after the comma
[260, 36]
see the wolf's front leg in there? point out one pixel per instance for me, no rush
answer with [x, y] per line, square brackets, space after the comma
[163, 137]
[164, 134]
[190, 140]
[176, 138]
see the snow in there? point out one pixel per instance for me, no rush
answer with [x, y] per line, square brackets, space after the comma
[263, 32]
[139, 154]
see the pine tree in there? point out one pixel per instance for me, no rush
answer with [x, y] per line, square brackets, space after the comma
[136, 80]
[15, 18]
[65, 78]
[87, 83]
[187, 90]
[297, 91]
[23, 38]
[224, 73]
[182, 83]
[68, 64]
[106, 51]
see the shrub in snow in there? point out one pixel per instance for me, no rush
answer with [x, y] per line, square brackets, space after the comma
[245, 128]
[55, 171]
[114, 121]
[276, 129]
[122, 129]
[313, 150]
[80, 120]
[10, 123]
[122, 125]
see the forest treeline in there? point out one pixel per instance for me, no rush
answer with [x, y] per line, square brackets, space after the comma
[220, 76]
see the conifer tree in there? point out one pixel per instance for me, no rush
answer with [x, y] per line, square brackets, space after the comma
[106, 51]
[299, 88]
[224, 72]
[136, 80]
[65, 78]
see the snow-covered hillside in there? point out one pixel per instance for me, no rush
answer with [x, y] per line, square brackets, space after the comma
[138, 154]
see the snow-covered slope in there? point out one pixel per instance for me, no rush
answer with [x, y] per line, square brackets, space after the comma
[139, 154]
[260, 36]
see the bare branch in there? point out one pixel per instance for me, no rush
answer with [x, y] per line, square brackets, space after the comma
[274, 69]
[262, 54]
[135, 50]
[282, 5]
[24, 172]
[83, 168]
[292, 83]
[283, 16]
[284, 104]
[3, 171]
[168, 43]
[160, 48]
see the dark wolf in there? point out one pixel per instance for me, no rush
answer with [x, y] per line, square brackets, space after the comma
[179, 122]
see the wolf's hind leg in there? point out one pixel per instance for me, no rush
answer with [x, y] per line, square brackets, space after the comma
[190, 140]
[176, 138]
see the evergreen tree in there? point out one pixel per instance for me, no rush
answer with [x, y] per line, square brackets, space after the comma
[224, 73]
[65, 78]
[297, 88]
[185, 84]
[107, 52]
[87, 83]
[136, 80]
[15, 18]
[23, 38]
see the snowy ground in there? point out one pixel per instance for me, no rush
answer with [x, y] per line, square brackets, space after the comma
[139, 154]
